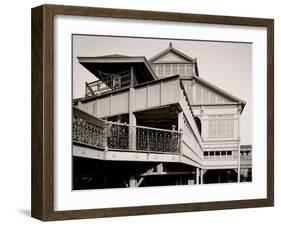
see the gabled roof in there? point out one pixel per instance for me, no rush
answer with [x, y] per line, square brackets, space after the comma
[178, 53]
[217, 90]
[171, 49]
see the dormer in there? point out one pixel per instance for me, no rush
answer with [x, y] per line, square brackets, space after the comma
[173, 62]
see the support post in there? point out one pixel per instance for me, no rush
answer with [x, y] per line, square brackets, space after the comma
[133, 182]
[132, 133]
[105, 138]
[238, 154]
[132, 77]
[159, 168]
[197, 175]
[201, 177]
[180, 126]
[132, 117]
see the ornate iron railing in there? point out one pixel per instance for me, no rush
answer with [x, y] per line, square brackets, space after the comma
[87, 129]
[142, 139]
[90, 131]
[155, 140]
[117, 136]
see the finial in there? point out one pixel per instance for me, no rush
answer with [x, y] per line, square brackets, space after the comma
[170, 45]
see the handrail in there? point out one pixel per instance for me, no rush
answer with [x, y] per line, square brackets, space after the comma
[88, 117]
[115, 81]
[188, 103]
[143, 127]
[91, 131]
[87, 129]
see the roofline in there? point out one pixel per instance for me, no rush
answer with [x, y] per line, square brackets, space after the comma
[218, 104]
[121, 59]
[172, 49]
[217, 89]
[110, 59]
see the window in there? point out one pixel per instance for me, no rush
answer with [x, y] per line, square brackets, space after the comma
[221, 126]
[167, 70]
[189, 69]
[174, 69]
[160, 70]
[229, 124]
[181, 69]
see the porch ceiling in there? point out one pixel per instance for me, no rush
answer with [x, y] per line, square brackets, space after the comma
[164, 117]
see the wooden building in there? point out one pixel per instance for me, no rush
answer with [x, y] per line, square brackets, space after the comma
[153, 122]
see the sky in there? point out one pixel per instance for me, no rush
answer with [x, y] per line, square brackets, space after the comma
[226, 65]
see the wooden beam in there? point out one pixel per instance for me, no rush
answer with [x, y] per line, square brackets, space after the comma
[167, 173]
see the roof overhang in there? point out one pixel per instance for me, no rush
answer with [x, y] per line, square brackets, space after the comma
[113, 64]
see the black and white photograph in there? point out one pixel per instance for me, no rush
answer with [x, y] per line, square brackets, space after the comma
[160, 112]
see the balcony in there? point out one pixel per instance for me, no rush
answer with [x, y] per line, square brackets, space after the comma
[111, 136]
[112, 82]
[167, 93]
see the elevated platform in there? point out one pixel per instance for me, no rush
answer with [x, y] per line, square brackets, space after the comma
[110, 141]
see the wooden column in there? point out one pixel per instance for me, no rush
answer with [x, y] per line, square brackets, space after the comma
[201, 176]
[133, 181]
[132, 117]
[238, 153]
[180, 129]
[197, 175]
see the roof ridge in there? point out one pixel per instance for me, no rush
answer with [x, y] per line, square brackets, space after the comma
[173, 50]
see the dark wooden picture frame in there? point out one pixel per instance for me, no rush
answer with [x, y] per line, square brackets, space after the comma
[43, 110]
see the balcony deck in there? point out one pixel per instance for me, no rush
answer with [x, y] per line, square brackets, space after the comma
[99, 139]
